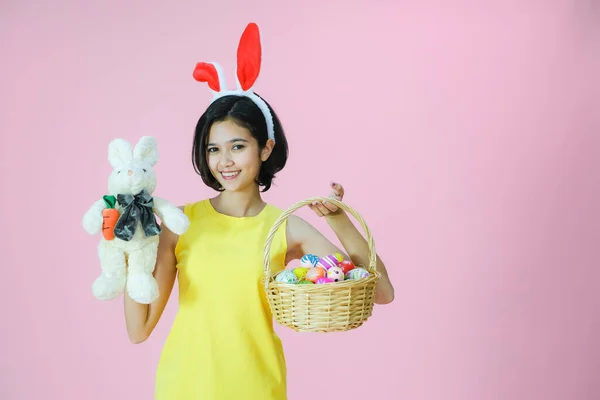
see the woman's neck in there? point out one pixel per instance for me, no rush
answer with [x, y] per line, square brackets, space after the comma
[239, 204]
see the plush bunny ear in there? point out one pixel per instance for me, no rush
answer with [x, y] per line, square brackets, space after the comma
[146, 150]
[119, 152]
[249, 57]
[211, 73]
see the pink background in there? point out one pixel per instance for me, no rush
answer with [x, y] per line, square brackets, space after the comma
[465, 134]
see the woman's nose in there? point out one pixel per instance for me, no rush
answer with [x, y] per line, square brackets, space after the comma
[226, 160]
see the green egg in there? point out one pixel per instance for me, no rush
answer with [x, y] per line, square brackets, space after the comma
[300, 272]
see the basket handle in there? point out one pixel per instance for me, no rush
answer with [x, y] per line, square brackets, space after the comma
[267, 251]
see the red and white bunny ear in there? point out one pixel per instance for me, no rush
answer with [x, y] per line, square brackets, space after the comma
[211, 73]
[249, 57]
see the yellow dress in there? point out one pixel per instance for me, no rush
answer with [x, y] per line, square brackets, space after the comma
[222, 345]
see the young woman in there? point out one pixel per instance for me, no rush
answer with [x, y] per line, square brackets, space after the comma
[222, 345]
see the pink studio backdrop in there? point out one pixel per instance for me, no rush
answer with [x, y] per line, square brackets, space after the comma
[466, 135]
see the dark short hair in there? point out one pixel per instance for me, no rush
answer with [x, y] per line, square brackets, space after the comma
[244, 112]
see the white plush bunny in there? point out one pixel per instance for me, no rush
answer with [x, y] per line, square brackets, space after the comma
[128, 248]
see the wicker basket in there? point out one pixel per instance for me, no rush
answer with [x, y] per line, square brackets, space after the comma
[332, 307]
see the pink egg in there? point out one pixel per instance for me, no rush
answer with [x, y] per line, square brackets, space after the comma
[336, 274]
[328, 262]
[323, 280]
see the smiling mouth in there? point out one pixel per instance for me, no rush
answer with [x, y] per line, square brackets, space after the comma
[230, 175]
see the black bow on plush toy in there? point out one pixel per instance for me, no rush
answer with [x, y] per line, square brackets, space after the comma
[138, 208]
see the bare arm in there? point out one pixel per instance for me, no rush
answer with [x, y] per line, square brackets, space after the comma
[141, 319]
[358, 249]
[303, 238]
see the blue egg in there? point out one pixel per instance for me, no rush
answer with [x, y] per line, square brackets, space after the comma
[309, 260]
[286, 276]
[357, 273]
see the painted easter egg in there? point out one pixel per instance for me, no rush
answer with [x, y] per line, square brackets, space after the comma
[323, 280]
[328, 262]
[305, 282]
[336, 274]
[309, 260]
[347, 266]
[357, 273]
[286, 276]
[300, 272]
[315, 273]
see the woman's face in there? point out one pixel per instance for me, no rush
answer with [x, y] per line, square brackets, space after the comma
[233, 156]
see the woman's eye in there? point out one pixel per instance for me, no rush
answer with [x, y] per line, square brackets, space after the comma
[212, 149]
[238, 147]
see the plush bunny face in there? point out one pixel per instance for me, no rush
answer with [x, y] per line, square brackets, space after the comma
[133, 168]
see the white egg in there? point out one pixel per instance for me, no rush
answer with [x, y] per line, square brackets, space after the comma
[336, 274]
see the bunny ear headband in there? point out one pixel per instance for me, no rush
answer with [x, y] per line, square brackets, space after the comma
[248, 67]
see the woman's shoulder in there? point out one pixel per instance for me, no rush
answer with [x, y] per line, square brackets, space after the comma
[193, 207]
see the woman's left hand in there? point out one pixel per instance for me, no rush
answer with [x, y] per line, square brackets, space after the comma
[324, 208]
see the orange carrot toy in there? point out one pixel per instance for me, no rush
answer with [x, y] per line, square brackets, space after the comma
[110, 216]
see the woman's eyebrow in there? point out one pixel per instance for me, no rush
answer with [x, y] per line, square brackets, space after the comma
[231, 141]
